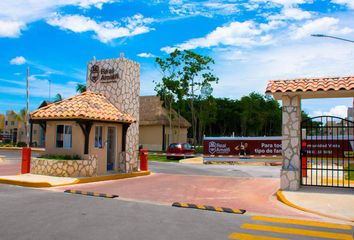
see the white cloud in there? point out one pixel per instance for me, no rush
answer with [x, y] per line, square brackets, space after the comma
[282, 2]
[234, 34]
[203, 8]
[271, 25]
[338, 111]
[104, 31]
[15, 15]
[348, 3]
[38, 87]
[291, 13]
[146, 55]
[11, 28]
[18, 60]
[325, 25]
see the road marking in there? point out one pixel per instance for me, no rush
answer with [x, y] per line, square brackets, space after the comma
[301, 222]
[296, 231]
[218, 209]
[244, 236]
[209, 208]
[200, 206]
[94, 194]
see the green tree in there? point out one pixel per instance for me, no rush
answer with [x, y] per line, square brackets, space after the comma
[80, 88]
[185, 74]
[22, 118]
[58, 98]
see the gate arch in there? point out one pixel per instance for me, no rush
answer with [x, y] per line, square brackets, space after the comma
[327, 152]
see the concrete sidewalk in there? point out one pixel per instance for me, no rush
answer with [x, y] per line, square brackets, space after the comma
[42, 181]
[328, 202]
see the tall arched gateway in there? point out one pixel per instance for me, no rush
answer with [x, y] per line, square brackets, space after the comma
[318, 151]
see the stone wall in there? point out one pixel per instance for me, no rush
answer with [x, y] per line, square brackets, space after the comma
[291, 127]
[65, 168]
[122, 88]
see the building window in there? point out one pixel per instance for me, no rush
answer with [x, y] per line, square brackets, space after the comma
[34, 132]
[64, 136]
[12, 123]
[5, 123]
[98, 136]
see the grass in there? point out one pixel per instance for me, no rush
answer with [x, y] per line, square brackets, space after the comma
[160, 159]
[351, 168]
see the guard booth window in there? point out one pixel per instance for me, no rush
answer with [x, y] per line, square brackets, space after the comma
[64, 136]
[98, 136]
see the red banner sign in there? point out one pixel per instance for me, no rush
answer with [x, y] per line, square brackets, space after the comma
[272, 146]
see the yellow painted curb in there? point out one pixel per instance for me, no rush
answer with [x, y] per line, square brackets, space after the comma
[20, 148]
[283, 199]
[78, 181]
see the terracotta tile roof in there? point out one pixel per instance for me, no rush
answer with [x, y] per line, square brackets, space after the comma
[87, 105]
[311, 84]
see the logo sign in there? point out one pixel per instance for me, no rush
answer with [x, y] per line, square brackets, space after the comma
[94, 73]
[212, 147]
[104, 75]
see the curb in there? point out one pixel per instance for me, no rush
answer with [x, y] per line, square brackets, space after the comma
[92, 194]
[283, 199]
[78, 181]
[209, 208]
[20, 148]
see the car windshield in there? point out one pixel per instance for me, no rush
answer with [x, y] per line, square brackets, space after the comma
[175, 145]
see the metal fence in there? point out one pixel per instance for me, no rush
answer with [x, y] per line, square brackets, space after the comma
[327, 156]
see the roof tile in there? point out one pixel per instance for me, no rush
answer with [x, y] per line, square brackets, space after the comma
[311, 84]
[87, 105]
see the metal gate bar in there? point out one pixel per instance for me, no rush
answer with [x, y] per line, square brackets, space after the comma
[327, 154]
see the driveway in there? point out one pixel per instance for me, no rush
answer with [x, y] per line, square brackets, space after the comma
[252, 194]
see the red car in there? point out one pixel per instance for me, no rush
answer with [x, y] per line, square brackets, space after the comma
[180, 150]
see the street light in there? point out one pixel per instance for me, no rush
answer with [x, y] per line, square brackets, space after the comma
[328, 36]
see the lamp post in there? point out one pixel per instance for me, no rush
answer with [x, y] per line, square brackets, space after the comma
[333, 37]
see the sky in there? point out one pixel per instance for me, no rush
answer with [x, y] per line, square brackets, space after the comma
[251, 41]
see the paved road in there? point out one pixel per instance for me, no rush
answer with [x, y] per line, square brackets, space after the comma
[40, 214]
[215, 170]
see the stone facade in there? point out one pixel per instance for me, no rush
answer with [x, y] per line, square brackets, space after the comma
[291, 127]
[65, 168]
[119, 81]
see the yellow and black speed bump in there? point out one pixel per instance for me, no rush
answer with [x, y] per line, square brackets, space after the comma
[209, 208]
[93, 194]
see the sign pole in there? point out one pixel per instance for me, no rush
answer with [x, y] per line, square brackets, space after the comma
[27, 107]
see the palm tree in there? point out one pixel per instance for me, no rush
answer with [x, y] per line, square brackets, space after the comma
[58, 98]
[22, 117]
[80, 88]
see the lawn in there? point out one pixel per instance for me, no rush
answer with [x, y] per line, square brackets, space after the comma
[351, 173]
[160, 159]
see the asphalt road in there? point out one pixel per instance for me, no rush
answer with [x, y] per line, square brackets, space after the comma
[40, 214]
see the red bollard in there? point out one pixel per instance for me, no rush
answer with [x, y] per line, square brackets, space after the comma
[143, 159]
[26, 160]
[304, 160]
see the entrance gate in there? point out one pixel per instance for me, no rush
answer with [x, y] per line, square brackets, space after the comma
[327, 152]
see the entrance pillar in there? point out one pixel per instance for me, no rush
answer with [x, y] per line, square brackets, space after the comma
[291, 127]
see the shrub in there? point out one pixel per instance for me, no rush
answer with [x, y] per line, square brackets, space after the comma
[21, 144]
[6, 141]
[61, 157]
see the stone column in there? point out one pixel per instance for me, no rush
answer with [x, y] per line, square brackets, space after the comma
[119, 81]
[291, 127]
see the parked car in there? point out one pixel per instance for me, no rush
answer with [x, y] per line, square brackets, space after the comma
[179, 150]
